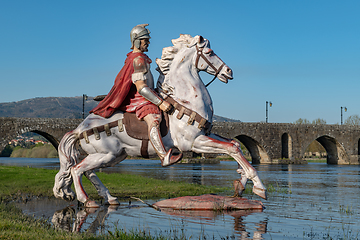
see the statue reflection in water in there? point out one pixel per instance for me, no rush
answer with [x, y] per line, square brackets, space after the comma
[69, 220]
[197, 177]
[240, 228]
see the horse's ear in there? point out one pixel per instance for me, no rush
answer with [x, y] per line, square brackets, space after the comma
[200, 41]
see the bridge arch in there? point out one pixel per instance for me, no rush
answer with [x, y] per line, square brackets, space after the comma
[336, 153]
[257, 152]
[53, 129]
[286, 146]
[48, 137]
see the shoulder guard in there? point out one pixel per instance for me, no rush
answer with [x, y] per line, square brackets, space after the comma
[140, 65]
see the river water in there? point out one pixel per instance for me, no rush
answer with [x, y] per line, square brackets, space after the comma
[312, 201]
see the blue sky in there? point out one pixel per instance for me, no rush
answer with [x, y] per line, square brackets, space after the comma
[303, 56]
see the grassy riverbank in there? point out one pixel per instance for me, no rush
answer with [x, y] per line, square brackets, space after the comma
[22, 184]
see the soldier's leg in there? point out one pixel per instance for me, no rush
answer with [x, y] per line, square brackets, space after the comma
[167, 157]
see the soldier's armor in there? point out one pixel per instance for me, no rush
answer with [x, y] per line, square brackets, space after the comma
[142, 72]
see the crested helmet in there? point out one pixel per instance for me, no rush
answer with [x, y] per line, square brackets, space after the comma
[137, 33]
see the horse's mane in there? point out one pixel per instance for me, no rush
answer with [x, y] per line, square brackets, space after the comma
[169, 53]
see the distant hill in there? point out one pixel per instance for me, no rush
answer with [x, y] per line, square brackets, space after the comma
[217, 118]
[47, 107]
[58, 107]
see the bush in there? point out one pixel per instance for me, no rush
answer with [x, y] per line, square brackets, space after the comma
[44, 151]
[7, 151]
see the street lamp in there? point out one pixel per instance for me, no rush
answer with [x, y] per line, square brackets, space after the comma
[85, 97]
[342, 114]
[267, 103]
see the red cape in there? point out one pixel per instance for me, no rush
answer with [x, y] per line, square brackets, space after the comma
[122, 91]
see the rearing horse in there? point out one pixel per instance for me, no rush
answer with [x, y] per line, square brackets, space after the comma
[107, 142]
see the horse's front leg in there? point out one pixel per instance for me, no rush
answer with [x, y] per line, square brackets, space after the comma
[239, 184]
[216, 144]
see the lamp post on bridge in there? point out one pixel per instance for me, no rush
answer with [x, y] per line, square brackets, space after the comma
[85, 97]
[342, 114]
[267, 103]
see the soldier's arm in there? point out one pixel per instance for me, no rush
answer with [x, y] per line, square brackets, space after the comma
[139, 79]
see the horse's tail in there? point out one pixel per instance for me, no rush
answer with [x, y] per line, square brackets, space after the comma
[68, 155]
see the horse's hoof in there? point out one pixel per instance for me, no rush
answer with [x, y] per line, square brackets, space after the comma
[91, 204]
[236, 195]
[260, 192]
[171, 158]
[69, 195]
[112, 202]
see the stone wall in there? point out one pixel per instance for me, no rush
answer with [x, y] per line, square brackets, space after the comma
[266, 142]
[52, 129]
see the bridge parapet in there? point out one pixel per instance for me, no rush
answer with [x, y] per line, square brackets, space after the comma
[266, 142]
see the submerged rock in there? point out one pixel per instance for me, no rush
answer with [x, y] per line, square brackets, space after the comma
[210, 202]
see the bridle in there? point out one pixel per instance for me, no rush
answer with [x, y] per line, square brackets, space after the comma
[199, 54]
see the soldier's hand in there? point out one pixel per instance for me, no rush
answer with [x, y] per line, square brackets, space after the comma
[165, 106]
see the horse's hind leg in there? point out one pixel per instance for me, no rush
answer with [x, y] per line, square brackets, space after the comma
[216, 144]
[92, 161]
[101, 189]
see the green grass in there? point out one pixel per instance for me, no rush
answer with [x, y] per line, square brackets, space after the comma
[24, 182]
[122, 185]
[270, 188]
[18, 181]
[346, 209]
[316, 160]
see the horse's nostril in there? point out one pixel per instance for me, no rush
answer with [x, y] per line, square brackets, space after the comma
[228, 70]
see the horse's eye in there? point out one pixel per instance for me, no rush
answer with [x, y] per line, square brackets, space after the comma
[209, 51]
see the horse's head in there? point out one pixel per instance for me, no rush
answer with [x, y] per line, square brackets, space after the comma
[189, 53]
[207, 60]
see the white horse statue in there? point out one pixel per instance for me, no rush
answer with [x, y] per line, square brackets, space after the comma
[106, 141]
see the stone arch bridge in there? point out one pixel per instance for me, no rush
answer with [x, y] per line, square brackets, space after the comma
[266, 142]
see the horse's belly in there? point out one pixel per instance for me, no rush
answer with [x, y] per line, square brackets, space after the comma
[116, 143]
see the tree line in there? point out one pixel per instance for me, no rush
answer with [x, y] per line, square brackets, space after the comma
[353, 120]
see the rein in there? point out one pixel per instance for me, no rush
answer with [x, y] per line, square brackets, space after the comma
[193, 116]
[199, 54]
